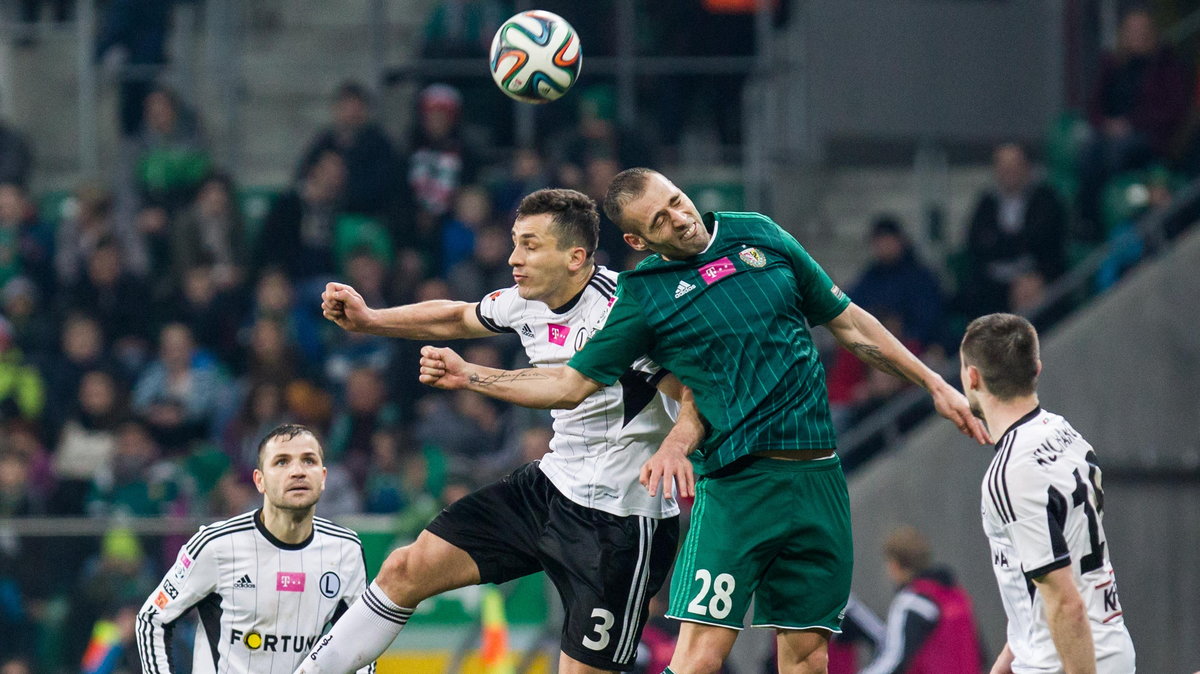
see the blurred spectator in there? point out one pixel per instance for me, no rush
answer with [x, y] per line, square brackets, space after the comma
[597, 135]
[275, 300]
[210, 312]
[91, 223]
[87, 441]
[23, 439]
[895, 278]
[472, 212]
[136, 482]
[271, 355]
[298, 232]
[23, 580]
[172, 158]
[81, 350]
[177, 397]
[262, 409]
[233, 495]
[857, 389]
[17, 665]
[1018, 227]
[464, 29]
[211, 232]
[1137, 108]
[26, 243]
[440, 161]
[535, 443]
[132, 40]
[931, 625]
[16, 158]
[111, 649]
[120, 575]
[467, 428]
[366, 411]
[487, 269]
[308, 404]
[114, 296]
[22, 389]
[527, 173]
[372, 165]
[32, 326]
[384, 490]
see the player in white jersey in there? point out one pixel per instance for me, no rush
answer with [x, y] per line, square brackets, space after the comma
[1042, 512]
[265, 584]
[580, 513]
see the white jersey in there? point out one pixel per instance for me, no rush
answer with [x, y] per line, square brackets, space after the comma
[1043, 505]
[598, 447]
[262, 603]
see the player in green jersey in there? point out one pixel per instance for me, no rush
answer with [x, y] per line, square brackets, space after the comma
[725, 304]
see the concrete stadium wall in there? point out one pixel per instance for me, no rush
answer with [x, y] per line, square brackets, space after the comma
[1126, 373]
[941, 69]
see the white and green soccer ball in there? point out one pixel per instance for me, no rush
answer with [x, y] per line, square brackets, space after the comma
[535, 56]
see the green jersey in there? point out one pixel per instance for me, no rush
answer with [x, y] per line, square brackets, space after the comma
[730, 322]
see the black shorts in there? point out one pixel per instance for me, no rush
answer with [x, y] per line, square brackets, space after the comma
[606, 568]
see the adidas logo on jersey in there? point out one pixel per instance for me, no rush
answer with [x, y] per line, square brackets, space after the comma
[526, 330]
[244, 583]
[683, 288]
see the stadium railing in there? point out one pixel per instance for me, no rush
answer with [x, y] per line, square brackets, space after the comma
[1156, 230]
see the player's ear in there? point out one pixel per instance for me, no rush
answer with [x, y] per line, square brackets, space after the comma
[635, 242]
[974, 379]
[579, 256]
[258, 481]
[1039, 369]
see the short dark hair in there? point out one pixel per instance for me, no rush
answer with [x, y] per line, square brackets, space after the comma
[624, 188]
[1004, 347]
[352, 89]
[576, 220]
[287, 432]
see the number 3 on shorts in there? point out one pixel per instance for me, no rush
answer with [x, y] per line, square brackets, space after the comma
[607, 619]
[721, 602]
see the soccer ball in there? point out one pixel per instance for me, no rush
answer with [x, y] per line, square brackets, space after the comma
[535, 56]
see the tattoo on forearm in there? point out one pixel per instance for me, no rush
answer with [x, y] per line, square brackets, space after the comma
[873, 356]
[504, 377]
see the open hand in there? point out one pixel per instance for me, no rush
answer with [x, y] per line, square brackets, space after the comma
[669, 465]
[953, 406]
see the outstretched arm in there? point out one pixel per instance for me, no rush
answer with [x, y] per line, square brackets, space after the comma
[865, 337]
[538, 387]
[434, 319]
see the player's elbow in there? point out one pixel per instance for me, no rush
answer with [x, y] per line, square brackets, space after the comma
[572, 389]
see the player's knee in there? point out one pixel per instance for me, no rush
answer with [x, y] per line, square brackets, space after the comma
[817, 662]
[399, 576]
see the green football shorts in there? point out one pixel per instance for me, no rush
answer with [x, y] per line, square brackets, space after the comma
[774, 530]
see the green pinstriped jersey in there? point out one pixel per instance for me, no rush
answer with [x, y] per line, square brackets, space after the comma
[731, 323]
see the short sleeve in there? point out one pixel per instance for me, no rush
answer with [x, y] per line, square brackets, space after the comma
[623, 340]
[1037, 532]
[494, 311]
[823, 300]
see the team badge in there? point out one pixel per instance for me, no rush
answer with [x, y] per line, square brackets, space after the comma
[330, 584]
[753, 257]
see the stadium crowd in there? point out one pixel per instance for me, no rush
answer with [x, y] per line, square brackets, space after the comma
[147, 345]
